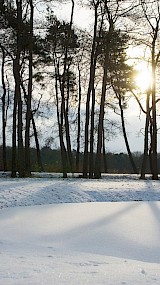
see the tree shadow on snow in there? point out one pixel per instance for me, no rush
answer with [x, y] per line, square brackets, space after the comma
[109, 236]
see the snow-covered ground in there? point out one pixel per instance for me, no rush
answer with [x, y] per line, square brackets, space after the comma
[50, 189]
[77, 231]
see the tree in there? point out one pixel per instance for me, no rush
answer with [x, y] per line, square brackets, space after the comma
[4, 109]
[18, 97]
[150, 39]
[79, 118]
[20, 45]
[62, 43]
[112, 55]
[106, 47]
[90, 89]
[29, 96]
[81, 63]
[146, 145]
[122, 81]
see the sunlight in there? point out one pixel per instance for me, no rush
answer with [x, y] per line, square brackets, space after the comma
[143, 77]
[139, 58]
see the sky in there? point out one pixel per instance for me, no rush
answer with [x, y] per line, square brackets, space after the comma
[134, 125]
[83, 16]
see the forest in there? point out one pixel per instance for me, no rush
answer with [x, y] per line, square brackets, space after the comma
[116, 163]
[56, 72]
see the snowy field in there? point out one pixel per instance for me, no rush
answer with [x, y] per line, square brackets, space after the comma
[77, 231]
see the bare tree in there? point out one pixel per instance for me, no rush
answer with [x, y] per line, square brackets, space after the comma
[111, 20]
[90, 89]
[151, 12]
[4, 114]
[29, 95]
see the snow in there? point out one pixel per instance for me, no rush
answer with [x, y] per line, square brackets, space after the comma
[76, 231]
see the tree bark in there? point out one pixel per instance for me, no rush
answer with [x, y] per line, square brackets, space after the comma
[153, 22]
[97, 172]
[145, 153]
[91, 154]
[29, 96]
[16, 70]
[154, 119]
[39, 160]
[126, 139]
[4, 119]
[14, 136]
[65, 103]
[60, 122]
[79, 119]
[104, 155]
[68, 138]
[90, 89]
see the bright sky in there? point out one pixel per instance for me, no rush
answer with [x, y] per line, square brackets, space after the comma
[82, 16]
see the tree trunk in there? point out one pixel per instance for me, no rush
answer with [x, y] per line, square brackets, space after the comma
[155, 54]
[4, 119]
[29, 96]
[145, 154]
[60, 122]
[86, 142]
[14, 136]
[17, 68]
[68, 138]
[104, 155]
[65, 103]
[91, 155]
[90, 89]
[154, 120]
[126, 139]
[79, 121]
[97, 173]
[39, 161]
[61, 130]
[18, 101]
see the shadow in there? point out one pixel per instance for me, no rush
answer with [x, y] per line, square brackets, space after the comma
[109, 235]
[37, 191]
[98, 236]
[156, 212]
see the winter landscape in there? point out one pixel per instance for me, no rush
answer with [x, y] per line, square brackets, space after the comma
[77, 231]
[79, 93]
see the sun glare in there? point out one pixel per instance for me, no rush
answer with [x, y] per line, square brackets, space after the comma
[143, 77]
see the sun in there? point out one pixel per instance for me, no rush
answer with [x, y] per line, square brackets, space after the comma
[143, 77]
